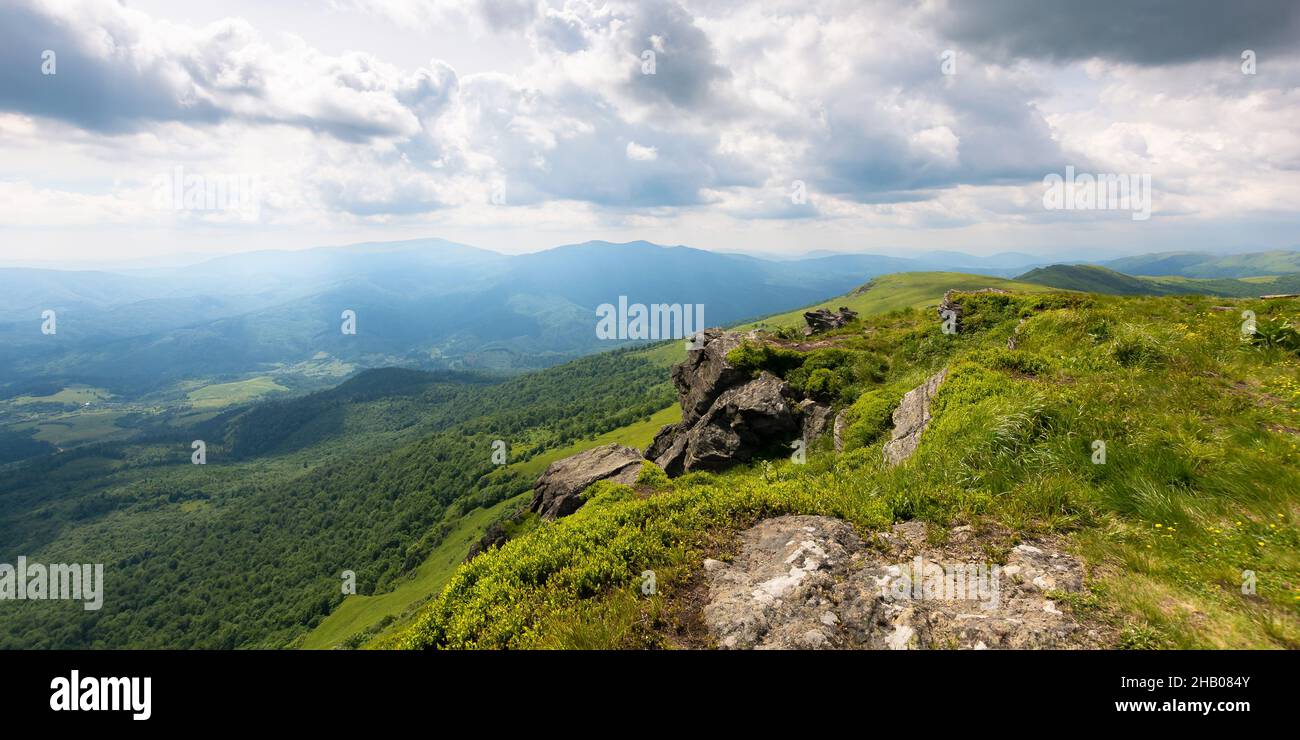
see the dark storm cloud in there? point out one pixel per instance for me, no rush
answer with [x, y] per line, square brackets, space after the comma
[1147, 32]
[685, 64]
[117, 72]
[989, 133]
[102, 91]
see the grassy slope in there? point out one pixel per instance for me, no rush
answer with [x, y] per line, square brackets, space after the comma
[902, 290]
[1095, 279]
[1201, 481]
[1201, 265]
[227, 394]
[360, 613]
[72, 395]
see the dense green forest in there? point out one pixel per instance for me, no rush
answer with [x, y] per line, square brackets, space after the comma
[247, 550]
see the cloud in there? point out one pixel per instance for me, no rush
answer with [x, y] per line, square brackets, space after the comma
[741, 101]
[638, 153]
[1147, 32]
[119, 70]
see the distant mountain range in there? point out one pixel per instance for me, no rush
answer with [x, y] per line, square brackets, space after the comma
[426, 303]
[1203, 265]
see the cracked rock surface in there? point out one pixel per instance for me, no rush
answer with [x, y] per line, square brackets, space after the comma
[810, 582]
[911, 418]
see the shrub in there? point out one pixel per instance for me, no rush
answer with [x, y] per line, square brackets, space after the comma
[1135, 349]
[1017, 361]
[652, 476]
[871, 416]
[1275, 334]
[755, 357]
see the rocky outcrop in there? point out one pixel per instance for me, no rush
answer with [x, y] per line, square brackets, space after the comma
[1013, 342]
[823, 319]
[727, 416]
[740, 422]
[910, 420]
[838, 428]
[558, 492]
[809, 582]
[815, 419]
[496, 535]
[706, 373]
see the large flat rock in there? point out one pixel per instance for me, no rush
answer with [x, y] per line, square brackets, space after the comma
[809, 582]
[559, 491]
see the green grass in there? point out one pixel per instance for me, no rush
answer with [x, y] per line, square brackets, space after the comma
[228, 394]
[359, 614]
[80, 427]
[881, 295]
[1096, 279]
[74, 395]
[363, 614]
[901, 290]
[1201, 480]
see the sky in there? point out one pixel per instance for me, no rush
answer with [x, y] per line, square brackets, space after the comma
[148, 129]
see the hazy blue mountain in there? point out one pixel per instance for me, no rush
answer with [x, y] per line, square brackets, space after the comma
[1000, 261]
[426, 303]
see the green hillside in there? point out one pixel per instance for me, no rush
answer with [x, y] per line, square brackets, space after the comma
[389, 475]
[1200, 483]
[1204, 265]
[901, 290]
[362, 619]
[359, 618]
[359, 615]
[371, 477]
[1097, 279]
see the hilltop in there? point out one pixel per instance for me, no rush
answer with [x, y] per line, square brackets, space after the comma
[390, 475]
[1146, 437]
[1097, 279]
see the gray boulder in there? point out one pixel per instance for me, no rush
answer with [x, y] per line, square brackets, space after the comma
[838, 427]
[727, 415]
[706, 373]
[809, 582]
[910, 419]
[741, 421]
[823, 319]
[558, 492]
[816, 419]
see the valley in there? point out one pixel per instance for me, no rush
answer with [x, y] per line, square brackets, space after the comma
[390, 474]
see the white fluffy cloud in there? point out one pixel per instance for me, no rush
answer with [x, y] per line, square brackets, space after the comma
[659, 116]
